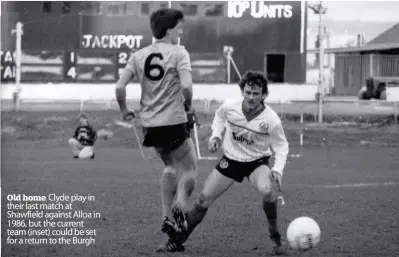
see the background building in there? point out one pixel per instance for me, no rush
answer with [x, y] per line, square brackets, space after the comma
[353, 65]
[91, 41]
[347, 68]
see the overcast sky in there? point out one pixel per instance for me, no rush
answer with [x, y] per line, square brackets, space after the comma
[359, 10]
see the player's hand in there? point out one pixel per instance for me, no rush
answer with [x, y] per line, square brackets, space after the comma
[278, 179]
[214, 144]
[128, 115]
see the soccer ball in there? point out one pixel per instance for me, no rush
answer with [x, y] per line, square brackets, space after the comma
[303, 233]
[85, 153]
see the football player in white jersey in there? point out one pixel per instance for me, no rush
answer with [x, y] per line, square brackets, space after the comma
[252, 130]
[164, 72]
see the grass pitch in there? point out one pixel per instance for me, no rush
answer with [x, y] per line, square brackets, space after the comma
[350, 188]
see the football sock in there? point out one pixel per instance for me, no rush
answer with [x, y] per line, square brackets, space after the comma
[185, 187]
[194, 217]
[270, 209]
[168, 192]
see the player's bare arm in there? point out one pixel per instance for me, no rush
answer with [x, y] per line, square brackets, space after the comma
[187, 84]
[120, 92]
[280, 146]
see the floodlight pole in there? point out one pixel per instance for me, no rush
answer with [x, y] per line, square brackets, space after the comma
[18, 31]
[228, 51]
[321, 72]
[228, 68]
[320, 10]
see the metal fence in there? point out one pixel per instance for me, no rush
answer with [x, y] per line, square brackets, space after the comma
[346, 123]
[334, 111]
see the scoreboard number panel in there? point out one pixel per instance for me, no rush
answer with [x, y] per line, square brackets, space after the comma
[70, 70]
[123, 57]
[102, 66]
[121, 60]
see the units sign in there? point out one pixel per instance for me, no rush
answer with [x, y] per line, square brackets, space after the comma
[258, 9]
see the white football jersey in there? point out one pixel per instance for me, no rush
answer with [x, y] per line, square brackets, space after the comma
[246, 141]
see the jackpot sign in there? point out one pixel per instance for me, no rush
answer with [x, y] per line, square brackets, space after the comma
[258, 9]
[111, 41]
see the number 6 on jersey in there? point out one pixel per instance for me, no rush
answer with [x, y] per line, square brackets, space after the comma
[149, 68]
[164, 73]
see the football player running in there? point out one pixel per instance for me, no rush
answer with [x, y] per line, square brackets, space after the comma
[164, 72]
[253, 129]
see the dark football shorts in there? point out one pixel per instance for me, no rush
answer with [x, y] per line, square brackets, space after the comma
[239, 170]
[165, 137]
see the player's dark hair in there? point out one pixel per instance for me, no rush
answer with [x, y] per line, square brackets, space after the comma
[254, 78]
[164, 19]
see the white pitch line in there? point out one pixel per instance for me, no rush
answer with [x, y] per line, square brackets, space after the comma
[360, 185]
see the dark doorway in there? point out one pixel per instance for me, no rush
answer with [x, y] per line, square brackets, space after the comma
[274, 67]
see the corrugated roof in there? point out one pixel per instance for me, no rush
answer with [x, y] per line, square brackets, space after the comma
[389, 39]
[390, 35]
